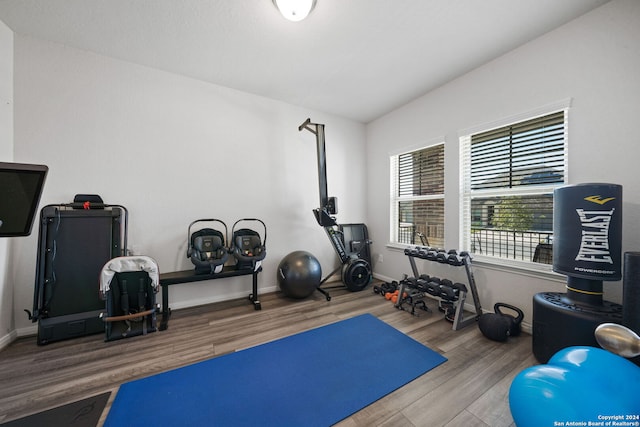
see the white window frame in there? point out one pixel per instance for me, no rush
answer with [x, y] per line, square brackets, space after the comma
[466, 193]
[395, 198]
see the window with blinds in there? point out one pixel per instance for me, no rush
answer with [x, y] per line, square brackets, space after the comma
[508, 177]
[417, 197]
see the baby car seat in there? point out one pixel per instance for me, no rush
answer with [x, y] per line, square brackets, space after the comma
[247, 247]
[207, 248]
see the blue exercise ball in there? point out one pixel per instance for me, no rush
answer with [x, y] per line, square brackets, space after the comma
[299, 274]
[579, 384]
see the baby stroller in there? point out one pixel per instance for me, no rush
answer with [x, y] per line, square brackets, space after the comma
[128, 285]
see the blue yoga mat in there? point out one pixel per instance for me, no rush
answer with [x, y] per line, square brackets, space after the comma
[314, 378]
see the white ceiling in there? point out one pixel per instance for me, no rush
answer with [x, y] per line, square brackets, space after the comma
[355, 58]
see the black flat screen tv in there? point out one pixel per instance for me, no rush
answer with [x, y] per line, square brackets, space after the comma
[20, 190]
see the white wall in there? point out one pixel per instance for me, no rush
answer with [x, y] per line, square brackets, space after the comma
[6, 154]
[594, 60]
[173, 150]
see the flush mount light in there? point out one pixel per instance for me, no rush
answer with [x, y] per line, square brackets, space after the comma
[295, 10]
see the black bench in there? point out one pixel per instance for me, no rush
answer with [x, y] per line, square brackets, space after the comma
[188, 276]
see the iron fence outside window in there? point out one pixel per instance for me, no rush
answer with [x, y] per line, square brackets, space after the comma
[533, 246]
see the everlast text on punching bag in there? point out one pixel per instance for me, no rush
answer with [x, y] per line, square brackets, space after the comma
[587, 228]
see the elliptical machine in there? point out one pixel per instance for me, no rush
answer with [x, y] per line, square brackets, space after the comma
[350, 241]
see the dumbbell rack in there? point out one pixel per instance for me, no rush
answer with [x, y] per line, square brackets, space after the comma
[436, 289]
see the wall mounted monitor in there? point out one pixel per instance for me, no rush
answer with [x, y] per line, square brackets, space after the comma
[20, 190]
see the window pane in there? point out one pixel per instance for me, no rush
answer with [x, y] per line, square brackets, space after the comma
[522, 154]
[417, 200]
[514, 227]
[421, 173]
[508, 177]
[421, 222]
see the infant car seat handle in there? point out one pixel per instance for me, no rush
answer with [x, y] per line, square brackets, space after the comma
[190, 246]
[264, 243]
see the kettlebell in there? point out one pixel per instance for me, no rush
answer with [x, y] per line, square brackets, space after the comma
[499, 326]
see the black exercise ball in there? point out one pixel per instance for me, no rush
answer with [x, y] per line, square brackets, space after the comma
[299, 274]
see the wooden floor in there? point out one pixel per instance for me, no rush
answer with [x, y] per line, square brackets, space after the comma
[470, 389]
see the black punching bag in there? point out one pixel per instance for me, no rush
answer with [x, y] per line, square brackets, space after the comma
[587, 241]
[587, 230]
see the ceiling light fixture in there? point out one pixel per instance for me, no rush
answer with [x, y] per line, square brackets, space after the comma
[295, 10]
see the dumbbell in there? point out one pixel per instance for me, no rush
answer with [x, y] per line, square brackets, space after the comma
[448, 310]
[441, 257]
[410, 281]
[433, 288]
[423, 285]
[455, 260]
[460, 287]
[385, 288]
[448, 291]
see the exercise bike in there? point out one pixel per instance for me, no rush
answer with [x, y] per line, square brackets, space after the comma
[350, 241]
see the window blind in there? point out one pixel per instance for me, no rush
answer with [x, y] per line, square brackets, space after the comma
[421, 173]
[522, 154]
[417, 196]
[508, 175]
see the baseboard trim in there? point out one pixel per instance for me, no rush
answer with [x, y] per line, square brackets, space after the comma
[238, 295]
[8, 339]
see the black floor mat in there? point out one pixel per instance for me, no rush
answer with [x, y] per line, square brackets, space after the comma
[83, 413]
